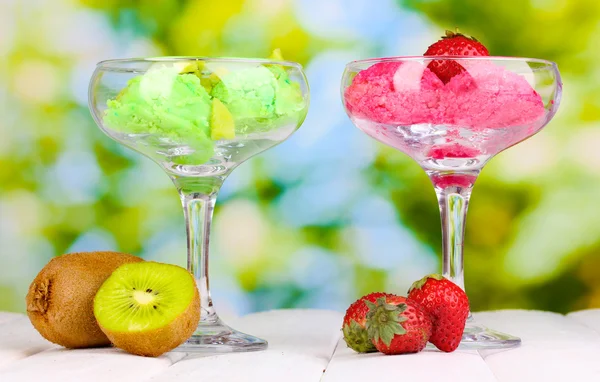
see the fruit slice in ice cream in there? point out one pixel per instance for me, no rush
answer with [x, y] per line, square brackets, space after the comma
[222, 125]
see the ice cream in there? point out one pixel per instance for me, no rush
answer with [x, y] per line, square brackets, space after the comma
[161, 101]
[288, 96]
[201, 102]
[406, 105]
[247, 93]
[167, 104]
[408, 93]
[258, 96]
[395, 93]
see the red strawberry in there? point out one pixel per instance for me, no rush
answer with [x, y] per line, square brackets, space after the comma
[355, 332]
[397, 325]
[453, 44]
[448, 306]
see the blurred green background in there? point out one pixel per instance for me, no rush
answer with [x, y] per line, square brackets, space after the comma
[328, 215]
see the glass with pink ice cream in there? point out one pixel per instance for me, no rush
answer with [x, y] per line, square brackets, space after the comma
[452, 126]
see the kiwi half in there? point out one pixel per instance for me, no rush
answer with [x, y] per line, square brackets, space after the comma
[148, 308]
[60, 299]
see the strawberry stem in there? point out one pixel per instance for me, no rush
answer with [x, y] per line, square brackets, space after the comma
[456, 33]
[384, 321]
[357, 339]
[419, 283]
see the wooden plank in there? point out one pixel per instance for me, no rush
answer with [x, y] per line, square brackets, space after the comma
[89, 365]
[429, 365]
[9, 316]
[589, 318]
[554, 348]
[18, 339]
[546, 363]
[537, 327]
[26, 356]
[300, 345]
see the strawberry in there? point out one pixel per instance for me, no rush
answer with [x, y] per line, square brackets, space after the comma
[453, 44]
[353, 328]
[448, 306]
[397, 325]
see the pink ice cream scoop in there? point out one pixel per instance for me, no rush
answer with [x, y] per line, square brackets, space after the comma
[408, 93]
[488, 96]
[391, 95]
[395, 93]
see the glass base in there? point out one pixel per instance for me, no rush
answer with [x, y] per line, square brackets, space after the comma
[477, 336]
[216, 337]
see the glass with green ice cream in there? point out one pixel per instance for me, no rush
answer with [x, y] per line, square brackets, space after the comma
[199, 118]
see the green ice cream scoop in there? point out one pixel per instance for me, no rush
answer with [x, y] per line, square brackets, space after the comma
[288, 95]
[167, 104]
[247, 93]
[259, 97]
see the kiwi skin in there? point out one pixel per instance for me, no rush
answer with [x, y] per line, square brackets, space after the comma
[60, 301]
[154, 343]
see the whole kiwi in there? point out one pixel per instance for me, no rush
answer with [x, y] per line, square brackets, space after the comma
[60, 301]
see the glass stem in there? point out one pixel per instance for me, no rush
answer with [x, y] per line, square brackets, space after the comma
[198, 197]
[453, 192]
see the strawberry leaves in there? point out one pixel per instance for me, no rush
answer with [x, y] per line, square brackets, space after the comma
[384, 321]
[419, 283]
[356, 338]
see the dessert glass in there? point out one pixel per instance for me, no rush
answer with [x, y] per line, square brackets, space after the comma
[452, 130]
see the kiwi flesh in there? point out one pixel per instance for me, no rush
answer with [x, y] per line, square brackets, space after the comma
[148, 308]
[60, 299]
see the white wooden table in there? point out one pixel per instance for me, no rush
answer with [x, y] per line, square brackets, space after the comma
[305, 346]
